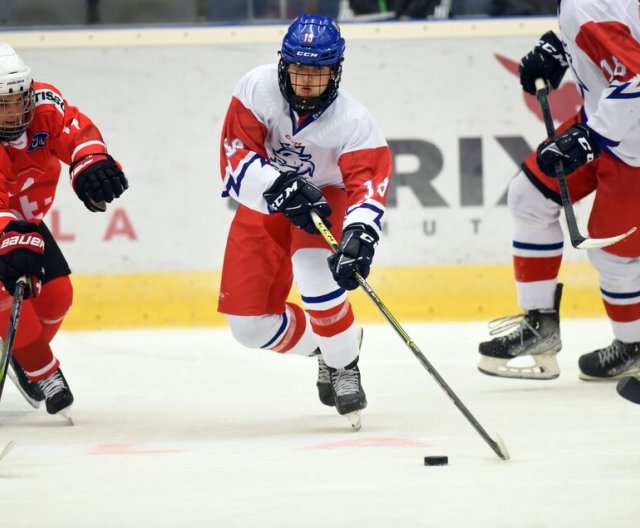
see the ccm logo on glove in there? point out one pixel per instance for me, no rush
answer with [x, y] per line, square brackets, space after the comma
[295, 197]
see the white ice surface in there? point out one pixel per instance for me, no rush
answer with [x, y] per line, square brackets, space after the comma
[185, 428]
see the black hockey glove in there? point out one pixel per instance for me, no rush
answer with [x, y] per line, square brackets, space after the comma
[575, 147]
[295, 197]
[21, 253]
[97, 179]
[546, 61]
[355, 253]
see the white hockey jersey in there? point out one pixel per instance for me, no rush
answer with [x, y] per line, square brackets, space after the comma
[341, 146]
[601, 38]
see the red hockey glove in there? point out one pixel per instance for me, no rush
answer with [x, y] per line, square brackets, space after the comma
[97, 179]
[21, 253]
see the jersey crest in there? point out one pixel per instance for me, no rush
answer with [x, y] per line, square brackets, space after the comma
[292, 158]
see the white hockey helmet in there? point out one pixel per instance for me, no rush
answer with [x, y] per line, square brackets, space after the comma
[17, 100]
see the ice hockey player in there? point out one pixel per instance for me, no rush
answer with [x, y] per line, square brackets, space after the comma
[599, 151]
[294, 141]
[39, 129]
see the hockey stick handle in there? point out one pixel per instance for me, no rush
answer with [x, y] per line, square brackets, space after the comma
[7, 346]
[572, 224]
[498, 446]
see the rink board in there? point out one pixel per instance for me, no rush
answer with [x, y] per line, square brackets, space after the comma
[412, 294]
[155, 257]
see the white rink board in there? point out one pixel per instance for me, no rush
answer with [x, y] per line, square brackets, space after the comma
[161, 111]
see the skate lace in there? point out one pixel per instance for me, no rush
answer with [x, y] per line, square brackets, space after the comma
[611, 354]
[346, 382]
[502, 325]
[323, 371]
[51, 385]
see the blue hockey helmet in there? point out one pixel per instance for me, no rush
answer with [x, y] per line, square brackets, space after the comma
[311, 40]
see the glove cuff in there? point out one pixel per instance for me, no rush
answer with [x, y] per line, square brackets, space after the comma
[83, 162]
[361, 226]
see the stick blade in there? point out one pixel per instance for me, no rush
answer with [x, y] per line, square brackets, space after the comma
[629, 389]
[502, 451]
[592, 243]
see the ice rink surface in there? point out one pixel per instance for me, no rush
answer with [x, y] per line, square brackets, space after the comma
[185, 428]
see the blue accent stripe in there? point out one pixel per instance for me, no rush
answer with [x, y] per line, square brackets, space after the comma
[537, 247]
[323, 298]
[236, 183]
[280, 331]
[618, 92]
[628, 295]
[379, 212]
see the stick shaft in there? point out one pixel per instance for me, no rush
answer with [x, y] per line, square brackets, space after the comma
[324, 231]
[565, 197]
[7, 345]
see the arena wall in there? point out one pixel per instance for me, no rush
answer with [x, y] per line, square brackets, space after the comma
[446, 95]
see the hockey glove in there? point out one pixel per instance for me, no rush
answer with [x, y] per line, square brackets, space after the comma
[97, 179]
[355, 253]
[295, 197]
[575, 147]
[546, 61]
[21, 253]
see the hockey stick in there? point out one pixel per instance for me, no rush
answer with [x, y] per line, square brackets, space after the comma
[629, 389]
[577, 240]
[7, 346]
[497, 445]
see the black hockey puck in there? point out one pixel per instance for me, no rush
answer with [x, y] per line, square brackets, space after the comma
[436, 461]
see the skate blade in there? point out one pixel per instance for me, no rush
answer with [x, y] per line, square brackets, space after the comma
[66, 414]
[354, 419]
[623, 375]
[545, 368]
[34, 403]
[7, 449]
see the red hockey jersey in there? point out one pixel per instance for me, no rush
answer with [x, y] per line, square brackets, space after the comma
[30, 166]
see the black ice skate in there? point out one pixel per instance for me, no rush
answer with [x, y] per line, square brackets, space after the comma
[537, 336]
[348, 393]
[616, 361]
[57, 394]
[325, 392]
[30, 391]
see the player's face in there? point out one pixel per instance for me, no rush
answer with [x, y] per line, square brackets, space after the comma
[309, 81]
[12, 110]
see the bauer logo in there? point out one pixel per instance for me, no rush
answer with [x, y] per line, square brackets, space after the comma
[33, 243]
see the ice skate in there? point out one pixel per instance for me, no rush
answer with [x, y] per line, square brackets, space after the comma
[31, 391]
[536, 336]
[325, 393]
[616, 361]
[348, 393]
[57, 395]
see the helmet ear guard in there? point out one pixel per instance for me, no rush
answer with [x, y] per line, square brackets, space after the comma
[315, 41]
[17, 100]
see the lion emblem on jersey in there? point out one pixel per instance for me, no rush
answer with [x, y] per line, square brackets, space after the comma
[293, 158]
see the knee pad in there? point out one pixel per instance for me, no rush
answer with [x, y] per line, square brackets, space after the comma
[254, 331]
[54, 300]
[528, 204]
